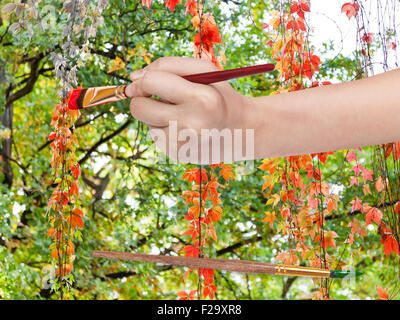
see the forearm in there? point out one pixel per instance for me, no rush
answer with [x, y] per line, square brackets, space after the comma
[335, 117]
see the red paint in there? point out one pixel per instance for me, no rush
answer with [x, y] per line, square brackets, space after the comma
[73, 97]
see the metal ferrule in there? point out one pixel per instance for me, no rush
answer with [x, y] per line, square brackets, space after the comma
[286, 270]
[100, 95]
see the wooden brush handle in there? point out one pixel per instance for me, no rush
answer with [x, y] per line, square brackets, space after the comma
[217, 76]
[203, 263]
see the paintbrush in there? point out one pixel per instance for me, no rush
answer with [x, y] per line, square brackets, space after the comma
[244, 266]
[85, 98]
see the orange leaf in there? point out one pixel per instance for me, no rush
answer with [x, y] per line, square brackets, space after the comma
[78, 212]
[382, 292]
[227, 173]
[270, 218]
[76, 220]
[379, 184]
[50, 232]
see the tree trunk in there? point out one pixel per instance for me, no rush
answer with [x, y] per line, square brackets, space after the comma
[7, 121]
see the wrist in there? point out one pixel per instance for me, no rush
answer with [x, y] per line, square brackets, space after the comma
[260, 119]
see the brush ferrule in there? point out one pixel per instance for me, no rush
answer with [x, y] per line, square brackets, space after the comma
[100, 95]
[299, 271]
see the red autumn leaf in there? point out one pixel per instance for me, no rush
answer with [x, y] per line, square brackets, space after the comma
[171, 4]
[356, 205]
[191, 6]
[208, 275]
[212, 232]
[286, 213]
[388, 149]
[396, 150]
[373, 214]
[351, 156]
[70, 249]
[397, 208]
[209, 36]
[367, 37]
[183, 295]
[328, 240]
[52, 136]
[147, 3]
[192, 251]
[390, 245]
[76, 171]
[351, 9]
[194, 175]
[382, 293]
[296, 25]
[355, 227]
[367, 175]
[322, 156]
[354, 180]
[357, 169]
[209, 291]
[64, 199]
[74, 189]
[300, 8]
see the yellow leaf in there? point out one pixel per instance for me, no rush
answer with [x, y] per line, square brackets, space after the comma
[117, 64]
[275, 198]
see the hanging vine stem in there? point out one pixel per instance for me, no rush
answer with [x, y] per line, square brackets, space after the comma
[63, 210]
[200, 13]
[202, 219]
[388, 179]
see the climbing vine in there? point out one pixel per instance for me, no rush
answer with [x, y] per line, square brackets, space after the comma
[295, 185]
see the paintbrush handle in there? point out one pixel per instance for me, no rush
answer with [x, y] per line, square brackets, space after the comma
[244, 266]
[85, 98]
[203, 263]
[223, 75]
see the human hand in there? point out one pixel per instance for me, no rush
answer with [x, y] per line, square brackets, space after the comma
[189, 120]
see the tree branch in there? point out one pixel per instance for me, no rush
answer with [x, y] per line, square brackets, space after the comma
[237, 245]
[103, 140]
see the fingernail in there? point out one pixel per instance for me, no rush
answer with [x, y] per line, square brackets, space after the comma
[137, 74]
[130, 90]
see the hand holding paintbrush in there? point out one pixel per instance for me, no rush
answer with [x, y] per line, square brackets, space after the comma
[85, 98]
[195, 95]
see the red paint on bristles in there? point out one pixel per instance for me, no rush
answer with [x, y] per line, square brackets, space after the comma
[73, 97]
